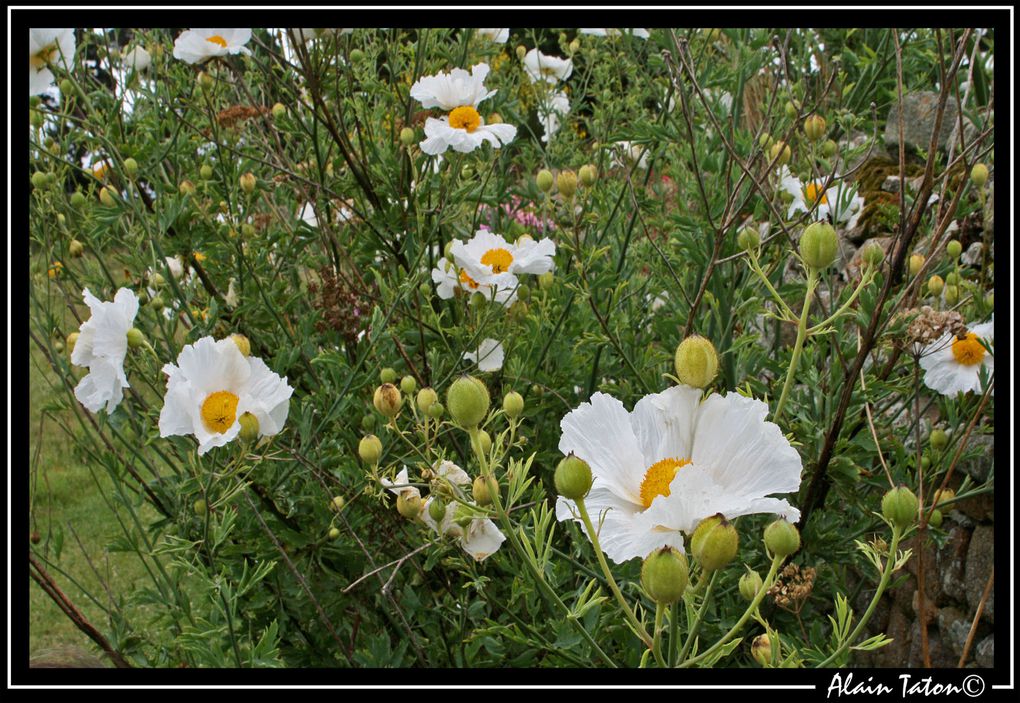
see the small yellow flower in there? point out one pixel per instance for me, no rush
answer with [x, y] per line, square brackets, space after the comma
[55, 269]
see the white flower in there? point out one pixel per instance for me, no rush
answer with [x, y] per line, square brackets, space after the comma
[463, 129]
[627, 153]
[448, 279]
[212, 385]
[401, 487]
[448, 471]
[496, 35]
[542, 67]
[640, 33]
[137, 58]
[841, 202]
[102, 347]
[481, 538]
[673, 461]
[550, 110]
[307, 215]
[47, 47]
[489, 356]
[488, 255]
[198, 45]
[954, 365]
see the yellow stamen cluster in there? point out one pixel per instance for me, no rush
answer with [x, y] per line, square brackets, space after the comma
[219, 411]
[814, 194]
[466, 280]
[465, 117]
[217, 39]
[499, 259]
[967, 350]
[45, 55]
[658, 477]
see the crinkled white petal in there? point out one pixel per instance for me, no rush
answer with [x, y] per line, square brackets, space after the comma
[482, 539]
[266, 396]
[451, 472]
[454, 89]
[498, 35]
[193, 45]
[400, 486]
[489, 356]
[104, 384]
[542, 67]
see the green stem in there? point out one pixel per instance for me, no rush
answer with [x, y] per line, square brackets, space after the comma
[865, 280]
[693, 633]
[752, 258]
[639, 628]
[798, 346]
[657, 635]
[674, 634]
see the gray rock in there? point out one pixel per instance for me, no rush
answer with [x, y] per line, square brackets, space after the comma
[972, 257]
[918, 111]
[979, 468]
[954, 627]
[891, 184]
[984, 653]
[980, 559]
[951, 562]
[970, 130]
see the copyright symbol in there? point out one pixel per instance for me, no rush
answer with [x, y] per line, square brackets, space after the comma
[973, 686]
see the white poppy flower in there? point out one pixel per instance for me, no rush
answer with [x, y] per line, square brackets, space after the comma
[840, 203]
[449, 279]
[212, 385]
[954, 365]
[496, 35]
[673, 461]
[542, 67]
[47, 47]
[199, 45]
[102, 347]
[401, 487]
[137, 58]
[487, 255]
[550, 110]
[640, 32]
[449, 471]
[626, 154]
[489, 356]
[480, 539]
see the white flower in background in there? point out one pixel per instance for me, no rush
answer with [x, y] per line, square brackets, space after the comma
[954, 364]
[459, 93]
[307, 35]
[400, 486]
[673, 461]
[488, 255]
[840, 203]
[47, 47]
[212, 385]
[640, 33]
[307, 215]
[99, 165]
[198, 45]
[448, 279]
[448, 471]
[137, 58]
[626, 154]
[102, 346]
[542, 67]
[233, 297]
[550, 110]
[481, 538]
[496, 35]
[489, 356]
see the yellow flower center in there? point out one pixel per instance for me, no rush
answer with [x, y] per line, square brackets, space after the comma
[658, 477]
[219, 411]
[217, 39]
[466, 280]
[100, 170]
[465, 117]
[968, 350]
[498, 259]
[42, 57]
[814, 194]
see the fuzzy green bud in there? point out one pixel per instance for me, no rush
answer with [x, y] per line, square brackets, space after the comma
[765, 141]
[468, 400]
[75, 248]
[205, 81]
[484, 441]
[72, 339]
[952, 295]
[157, 303]
[748, 239]
[944, 495]
[791, 109]
[77, 199]
[899, 506]
[370, 449]
[135, 338]
[242, 342]
[819, 246]
[248, 182]
[952, 278]
[206, 172]
[566, 182]
[714, 542]
[954, 249]
[588, 175]
[36, 118]
[408, 385]
[664, 575]
[572, 478]
[407, 136]
[387, 400]
[513, 404]
[426, 398]
[130, 167]
[696, 361]
[249, 428]
[935, 519]
[39, 179]
[782, 538]
[938, 439]
[574, 46]
[107, 196]
[387, 375]
[829, 148]
[337, 504]
[521, 52]
[782, 152]
[279, 110]
[200, 507]
[436, 411]
[915, 263]
[814, 127]
[873, 255]
[935, 285]
[186, 187]
[409, 505]
[357, 55]
[761, 650]
[480, 491]
[333, 533]
[979, 175]
[749, 585]
[437, 509]
[66, 87]
[545, 280]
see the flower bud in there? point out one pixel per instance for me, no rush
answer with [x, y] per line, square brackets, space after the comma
[437, 509]
[205, 81]
[588, 175]
[370, 449]
[938, 439]
[494, 118]
[664, 575]
[935, 285]
[761, 650]
[333, 533]
[387, 400]
[566, 182]
[714, 542]
[545, 280]
[279, 110]
[357, 55]
[954, 249]
[468, 399]
[66, 87]
[935, 519]
[368, 422]
[573, 477]
[979, 175]
[186, 187]
[77, 198]
[337, 504]
[130, 167]
[135, 338]
[899, 506]
[72, 339]
[873, 255]
[249, 428]
[829, 148]
[748, 239]
[200, 507]
[436, 410]
[574, 46]
[206, 172]
[791, 109]
[521, 52]
[480, 491]
[407, 136]
[819, 246]
[157, 303]
[242, 342]
[426, 397]
[106, 196]
[952, 295]
[814, 127]
[387, 375]
[513, 404]
[782, 152]
[782, 538]
[248, 182]
[915, 264]
[484, 441]
[749, 585]
[408, 385]
[952, 278]
[75, 248]
[765, 141]
[409, 505]
[944, 496]
[544, 180]
[696, 362]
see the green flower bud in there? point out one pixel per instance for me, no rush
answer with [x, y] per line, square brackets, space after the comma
[408, 385]
[573, 477]
[39, 179]
[357, 55]
[979, 175]
[436, 411]
[944, 495]
[480, 491]
[513, 404]
[409, 505]
[206, 172]
[157, 303]
[66, 87]
[387, 375]
[468, 399]
[205, 81]
[664, 575]
[437, 509]
[782, 152]
[915, 264]
[765, 141]
[791, 109]
[36, 118]
[77, 199]
[748, 239]
[545, 280]
[544, 180]
[761, 650]
[990, 300]
[899, 506]
[249, 428]
[782, 538]
[186, 187]
[407, 136]
[750, 583]
[106, 196]
[954, 249]
[935, 285]
[521, 52]
[952, 278]
[337, 504]
[333, 533]
[814, 127]
[872, 255]
[370, 449]
[279, 110]
[566, 182]
[588, 175]
[248, 182]
[696, 362]
[242, 342]
[952, 295]
[714, 542]
[574, 46]
[130, 167]
[426, 397]
[935, 519]
[75, 248]
[135, 338]
[829, 148]
[938, 439]
[200, 507]
[819, 246]
[387, 400]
